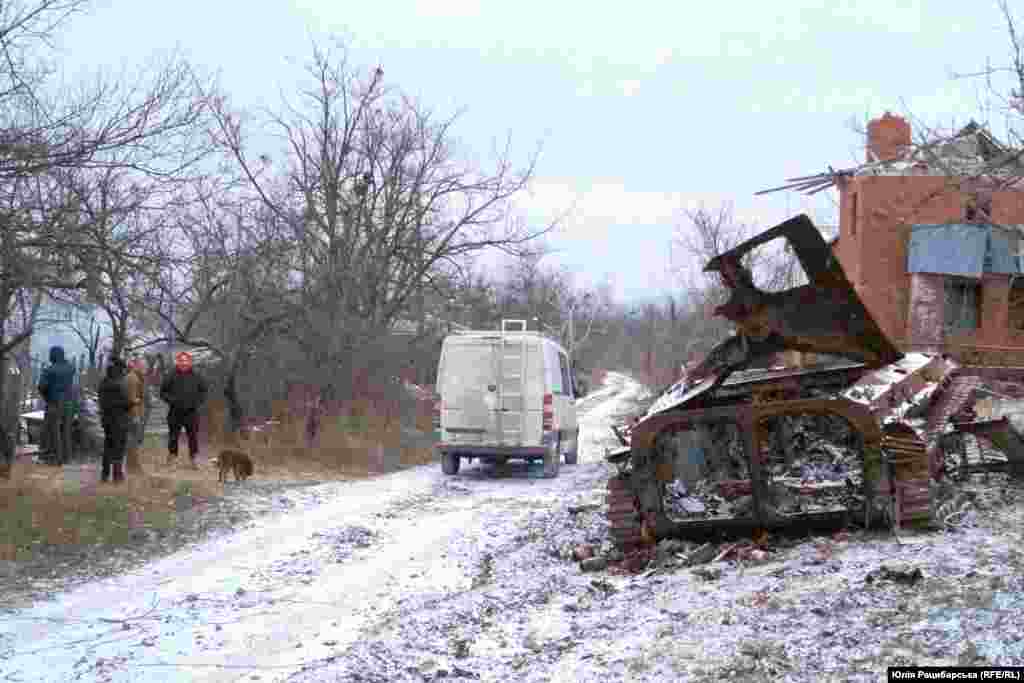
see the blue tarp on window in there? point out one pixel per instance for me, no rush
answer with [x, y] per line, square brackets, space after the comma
[1002, 248]
[963, 249]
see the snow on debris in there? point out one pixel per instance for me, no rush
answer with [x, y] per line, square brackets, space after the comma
[881, 380]
[912, 404]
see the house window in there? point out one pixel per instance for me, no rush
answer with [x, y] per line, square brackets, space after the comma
[978, 207]
[1017, 305]
[962, 304]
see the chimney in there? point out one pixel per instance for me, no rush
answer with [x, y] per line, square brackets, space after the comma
[888, 138]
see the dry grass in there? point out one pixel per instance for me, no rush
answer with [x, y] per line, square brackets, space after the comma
[346, 446]
[45, 505]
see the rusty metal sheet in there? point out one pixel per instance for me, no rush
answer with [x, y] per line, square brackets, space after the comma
[758, 375]
[644, 432]
[823, 316]
[715, 389]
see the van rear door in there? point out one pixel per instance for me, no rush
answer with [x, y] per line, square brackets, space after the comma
[468, 387]
[559, 384]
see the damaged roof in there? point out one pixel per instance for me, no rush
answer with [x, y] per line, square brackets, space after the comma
[972, 150]
[964, 249]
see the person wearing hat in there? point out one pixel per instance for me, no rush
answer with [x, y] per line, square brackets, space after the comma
[135, 381]
[115, 413]
[184, 391]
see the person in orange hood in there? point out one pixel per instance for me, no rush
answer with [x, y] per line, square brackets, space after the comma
[184, 391]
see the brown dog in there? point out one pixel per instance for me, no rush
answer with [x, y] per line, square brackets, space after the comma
[236, 461]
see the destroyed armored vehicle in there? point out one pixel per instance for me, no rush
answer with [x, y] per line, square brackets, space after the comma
[738, 448]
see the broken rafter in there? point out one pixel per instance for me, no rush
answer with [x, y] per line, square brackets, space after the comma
[816, 183]
[797, 186]
[810, 184]
[820, 189]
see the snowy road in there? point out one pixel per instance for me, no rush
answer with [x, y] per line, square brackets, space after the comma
[302, 596]
[421, 577]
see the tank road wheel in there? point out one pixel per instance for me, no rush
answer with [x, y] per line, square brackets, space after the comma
[623, 515]
[552, 461]
[450, 463]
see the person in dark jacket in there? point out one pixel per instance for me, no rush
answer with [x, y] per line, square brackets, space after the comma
[115, 411]
[56, 386]
[184, 391]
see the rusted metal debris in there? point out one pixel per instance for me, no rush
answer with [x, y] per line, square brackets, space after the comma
[1004, 436]
[824, 316]
[741, 484]
[736, 449]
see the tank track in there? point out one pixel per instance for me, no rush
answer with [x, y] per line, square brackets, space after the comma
[626, 523]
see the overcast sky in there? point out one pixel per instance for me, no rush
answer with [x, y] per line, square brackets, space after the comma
[642, 108]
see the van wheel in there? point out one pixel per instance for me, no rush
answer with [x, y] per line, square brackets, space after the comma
[551, 462]
[450, 463]
[572, 455]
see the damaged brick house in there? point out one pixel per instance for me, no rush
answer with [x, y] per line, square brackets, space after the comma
[930, 237]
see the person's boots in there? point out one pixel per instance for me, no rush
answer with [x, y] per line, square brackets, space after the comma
[118, 472]
[105, 471]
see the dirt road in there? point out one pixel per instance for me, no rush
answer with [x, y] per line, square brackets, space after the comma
[316, 590]
[420, 577]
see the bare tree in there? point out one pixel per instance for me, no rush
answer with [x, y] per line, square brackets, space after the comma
[90, 332]
[223, 284]
[534, 292]
[377, 202]
[54, 143]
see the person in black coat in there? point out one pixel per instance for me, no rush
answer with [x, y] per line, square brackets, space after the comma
[184, 391]
[115, 413]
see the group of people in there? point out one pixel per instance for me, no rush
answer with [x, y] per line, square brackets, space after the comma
[122, 404]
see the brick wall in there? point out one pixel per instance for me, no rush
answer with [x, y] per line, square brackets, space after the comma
[873, 251]
[926, 312]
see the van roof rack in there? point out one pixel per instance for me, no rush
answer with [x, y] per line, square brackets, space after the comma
[508, 326]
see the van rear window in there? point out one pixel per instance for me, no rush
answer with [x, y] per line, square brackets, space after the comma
[553, 372]
[466, 367]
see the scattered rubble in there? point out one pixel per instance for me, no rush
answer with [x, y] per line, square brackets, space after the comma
[712, 573]
[583, 552]
[961, 421]
[742, 443]
[895, 573]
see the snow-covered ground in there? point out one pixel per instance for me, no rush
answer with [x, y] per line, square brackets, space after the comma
[417, 576]
[612, 404]
[306, 585]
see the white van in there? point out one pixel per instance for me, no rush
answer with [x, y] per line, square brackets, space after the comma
[506, 394]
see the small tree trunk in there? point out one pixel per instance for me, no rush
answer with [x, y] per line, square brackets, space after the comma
[6, 443]
[235, 413]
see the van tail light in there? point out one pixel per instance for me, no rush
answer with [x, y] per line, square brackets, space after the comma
[548, 416]
[437, 414]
